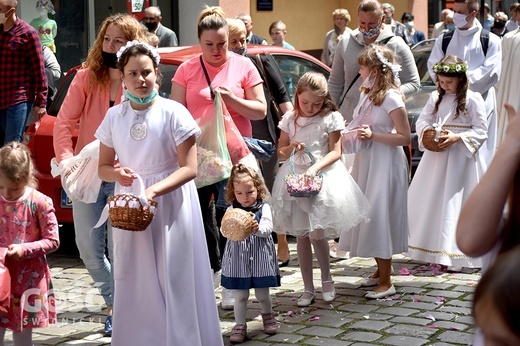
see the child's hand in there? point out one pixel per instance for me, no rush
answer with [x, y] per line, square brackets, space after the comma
[299, 146]
[254, 227]
[446, 141]
[14, 251]
[311, 171]
[125, 177]
[364, 132]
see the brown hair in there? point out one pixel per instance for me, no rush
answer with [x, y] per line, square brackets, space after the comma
[385, 79]
[16, 164]
[316, 83]
[132, 30]
[462, 87]
[278, 25]
[371, 6]
[471, 5]
[242, 172]
[211, 18]
[499, 286]
[138, 50]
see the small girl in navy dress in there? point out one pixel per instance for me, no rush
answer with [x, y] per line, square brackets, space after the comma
[250, 263]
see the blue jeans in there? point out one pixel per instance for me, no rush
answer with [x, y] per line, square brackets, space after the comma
[13, 119]
[91, 241]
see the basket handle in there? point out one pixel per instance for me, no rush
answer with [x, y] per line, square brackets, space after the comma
[291, 158]
[140, 189]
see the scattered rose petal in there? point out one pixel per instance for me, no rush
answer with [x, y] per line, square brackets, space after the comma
[454, 328]
[293, 298]
[366, 317]
[277, 301]
[314, 309]
[430, 316]
[315, 318]
[416, 300]
[290, 313]
[432, 326]
[405, 271]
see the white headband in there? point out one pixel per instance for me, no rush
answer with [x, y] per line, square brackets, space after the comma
[396, 68]
[129, 44]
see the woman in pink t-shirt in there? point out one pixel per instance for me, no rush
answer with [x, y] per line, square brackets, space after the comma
[240, 85]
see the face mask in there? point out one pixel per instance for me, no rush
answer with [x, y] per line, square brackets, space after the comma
[368, 83]
[499, 24]
[459, 20]
[409, 25]
[372, 32]
[141, 101]
[110, 59]
[450, 26]
[4, 16]
[239, 51]
[151, 26]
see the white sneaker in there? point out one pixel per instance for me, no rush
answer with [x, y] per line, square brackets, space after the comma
[228, 299]
[216, 279]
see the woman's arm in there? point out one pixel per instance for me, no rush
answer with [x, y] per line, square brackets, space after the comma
[178, 93]
[481, 214]
[252, 107]
[402, 128]
[187, 154]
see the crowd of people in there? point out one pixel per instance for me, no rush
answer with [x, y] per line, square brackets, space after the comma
[342, 138]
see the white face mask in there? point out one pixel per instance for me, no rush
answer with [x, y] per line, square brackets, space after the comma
[4, 16]
[369, 82]
[459, 20]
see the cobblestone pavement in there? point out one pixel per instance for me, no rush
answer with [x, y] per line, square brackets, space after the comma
[428, 308]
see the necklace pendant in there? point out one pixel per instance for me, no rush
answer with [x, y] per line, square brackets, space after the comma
[138, 131]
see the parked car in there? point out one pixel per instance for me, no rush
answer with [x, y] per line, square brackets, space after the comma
[41, 141]
[415, 104]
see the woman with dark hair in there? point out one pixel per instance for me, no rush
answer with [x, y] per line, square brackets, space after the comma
[416, 35]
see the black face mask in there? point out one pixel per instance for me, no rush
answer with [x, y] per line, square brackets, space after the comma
[151, 26]
[499, 24]
[110, 59]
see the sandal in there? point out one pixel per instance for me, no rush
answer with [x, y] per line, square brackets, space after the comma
[239, 333]
[302, 302]
[270, 323]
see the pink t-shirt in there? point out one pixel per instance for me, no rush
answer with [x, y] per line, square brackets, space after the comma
[237, 73]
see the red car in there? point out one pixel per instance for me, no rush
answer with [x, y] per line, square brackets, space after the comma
[41, 141]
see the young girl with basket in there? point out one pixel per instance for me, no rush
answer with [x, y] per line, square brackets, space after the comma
[163, 284]
[450, 167]
[29, 231]
[310, 145]
[380, 166]
[249, 259]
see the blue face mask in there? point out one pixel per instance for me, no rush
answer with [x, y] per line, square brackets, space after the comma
[450, 26]
[141, 101]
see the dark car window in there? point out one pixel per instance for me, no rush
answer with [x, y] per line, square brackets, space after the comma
[167, 73]
[421, 55]
[293, 68]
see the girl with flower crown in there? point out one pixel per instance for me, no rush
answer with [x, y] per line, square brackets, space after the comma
[163, 283]
[444, 179]
[381, 169]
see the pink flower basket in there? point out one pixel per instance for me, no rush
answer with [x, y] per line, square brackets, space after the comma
[301, 184]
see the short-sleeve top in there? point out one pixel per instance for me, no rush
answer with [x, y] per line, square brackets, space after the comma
[238, 73]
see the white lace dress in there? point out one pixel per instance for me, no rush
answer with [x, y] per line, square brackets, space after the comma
[339, 206]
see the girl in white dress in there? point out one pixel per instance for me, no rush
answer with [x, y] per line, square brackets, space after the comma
[445, 179]
[315, 125]
[381, 169]
[163, 283]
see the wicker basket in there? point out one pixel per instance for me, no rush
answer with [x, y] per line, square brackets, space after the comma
[428, 140]
[127, 212]
[236, 224]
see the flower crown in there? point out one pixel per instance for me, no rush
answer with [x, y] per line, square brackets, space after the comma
[132, 43]
[450, 68]
[395, 68]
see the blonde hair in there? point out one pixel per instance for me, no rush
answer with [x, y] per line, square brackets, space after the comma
[211, 18]
[153, 39]
[241, 172]
[342, 13]
[315, 83]
[16, 164]
[236, 26]
[132, 30]
[385, 79]
[371, 6]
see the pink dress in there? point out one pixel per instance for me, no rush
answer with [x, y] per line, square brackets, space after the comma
[29, 221]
